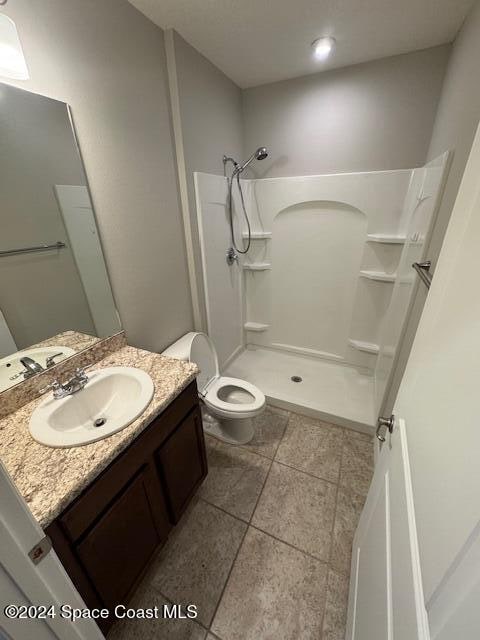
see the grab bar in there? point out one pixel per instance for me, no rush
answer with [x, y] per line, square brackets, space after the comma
[41, 247]
[423, 270]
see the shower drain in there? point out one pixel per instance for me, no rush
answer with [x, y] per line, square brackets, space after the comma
[296, 379]
[99, 422]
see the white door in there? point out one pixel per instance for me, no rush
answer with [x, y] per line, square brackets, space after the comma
[76, 207]
[416, 555]
[386, 595]
[24, 583]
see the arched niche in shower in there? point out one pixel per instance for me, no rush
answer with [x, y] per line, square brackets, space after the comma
[317, 249]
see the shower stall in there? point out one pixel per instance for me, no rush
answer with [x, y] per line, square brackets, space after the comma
[313, 312]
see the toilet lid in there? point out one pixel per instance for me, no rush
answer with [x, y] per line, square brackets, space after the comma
[203, 354]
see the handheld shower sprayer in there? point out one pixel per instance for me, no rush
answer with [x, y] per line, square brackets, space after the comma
[259, 154]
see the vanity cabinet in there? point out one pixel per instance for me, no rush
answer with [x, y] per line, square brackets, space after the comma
[114, 552]
[180, 466]
[107, 536]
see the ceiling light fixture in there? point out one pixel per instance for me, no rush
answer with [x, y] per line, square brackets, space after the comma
[12, 60]
[323, 47]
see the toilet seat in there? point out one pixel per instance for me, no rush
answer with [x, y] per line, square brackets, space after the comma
[228, 404]
[233, 409]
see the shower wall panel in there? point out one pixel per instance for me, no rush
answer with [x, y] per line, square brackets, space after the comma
[223, 283]
[312, 295]
[422, 203]
[316, 256]
[326, 254]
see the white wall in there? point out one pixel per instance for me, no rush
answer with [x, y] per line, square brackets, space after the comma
[211, 111]
[373, 116]
[457, 116]
[108, 62]
[455, 125]
[211, 122]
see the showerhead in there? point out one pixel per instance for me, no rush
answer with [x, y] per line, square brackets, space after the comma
[260, 154]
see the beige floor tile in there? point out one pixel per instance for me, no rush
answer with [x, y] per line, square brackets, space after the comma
[312, 446]
[153, 629]
[235, 478]
[193, 566]
[269, 430]
[347, 514]
[278, 410]
[357, 464]
[335, 617]
[298, 509]
[359, 435]
[274, 593]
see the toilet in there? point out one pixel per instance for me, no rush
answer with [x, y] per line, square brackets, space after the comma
[229, 404]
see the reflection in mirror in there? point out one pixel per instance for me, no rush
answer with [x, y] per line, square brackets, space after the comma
[55, 295]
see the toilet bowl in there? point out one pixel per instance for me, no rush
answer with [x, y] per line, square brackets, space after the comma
[229, 404]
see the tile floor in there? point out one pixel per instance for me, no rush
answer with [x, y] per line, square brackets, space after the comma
[264, 548]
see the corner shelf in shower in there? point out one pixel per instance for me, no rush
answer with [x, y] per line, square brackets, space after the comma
[258, 327]
[361, 345]
[379, 276]
[385, 238]
[258, 235]
[257, 266]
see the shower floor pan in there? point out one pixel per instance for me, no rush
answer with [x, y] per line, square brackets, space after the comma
[329, 391]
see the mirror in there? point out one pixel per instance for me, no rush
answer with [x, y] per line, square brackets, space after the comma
[55, 294]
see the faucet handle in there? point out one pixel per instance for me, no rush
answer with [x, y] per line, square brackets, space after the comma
[54, 386]
[51, 359]
[80, 375]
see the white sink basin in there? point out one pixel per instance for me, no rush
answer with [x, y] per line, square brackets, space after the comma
[11, 367]
[115, 395]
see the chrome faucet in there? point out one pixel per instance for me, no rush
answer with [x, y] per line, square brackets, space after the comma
[62, 389]
[31, 367]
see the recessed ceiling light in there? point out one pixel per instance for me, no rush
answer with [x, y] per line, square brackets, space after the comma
[323, 47]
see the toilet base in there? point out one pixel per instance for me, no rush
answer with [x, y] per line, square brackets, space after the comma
[233, 431]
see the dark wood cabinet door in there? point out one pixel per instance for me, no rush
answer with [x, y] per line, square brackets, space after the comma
[182, 463]
[116, 550]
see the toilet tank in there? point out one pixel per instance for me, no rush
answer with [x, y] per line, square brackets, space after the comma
[181, 348]
[198, 348]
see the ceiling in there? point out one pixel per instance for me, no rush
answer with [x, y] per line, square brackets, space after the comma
[259, 41]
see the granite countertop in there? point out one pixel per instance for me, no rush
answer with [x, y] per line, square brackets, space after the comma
[73, 339]
[48, 478]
